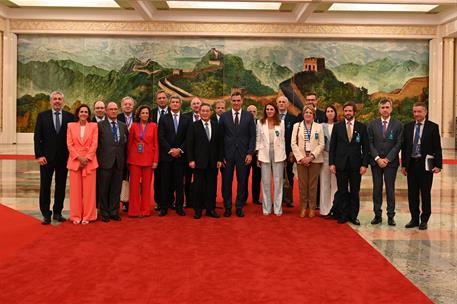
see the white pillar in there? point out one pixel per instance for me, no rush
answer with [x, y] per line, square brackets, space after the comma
[436, 81]
[447, 126]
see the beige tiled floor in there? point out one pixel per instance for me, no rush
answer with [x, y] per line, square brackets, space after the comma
[428, 258]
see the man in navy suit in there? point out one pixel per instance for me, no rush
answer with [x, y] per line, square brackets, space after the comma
[173, 128]
[289, 121]
[238, 127]
[204, 145]
[348, 159]
[51, 153]
[421, 138]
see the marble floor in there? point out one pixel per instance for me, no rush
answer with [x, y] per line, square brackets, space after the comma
[428, 258]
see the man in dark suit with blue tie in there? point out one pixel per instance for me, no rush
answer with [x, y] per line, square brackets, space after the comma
[421, 145]
[173, 129]
[348, 159]
[51, 153]
[385, 135]
[239, 131]
[204, 146]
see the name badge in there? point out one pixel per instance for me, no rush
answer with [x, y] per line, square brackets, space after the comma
[391, 136]
[357, 138]
[316, 135]
[140, 148]
[277, 133]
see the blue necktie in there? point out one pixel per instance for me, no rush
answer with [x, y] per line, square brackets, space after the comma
[57, 122]
[175, 122]
[114, 130]
[416, 146]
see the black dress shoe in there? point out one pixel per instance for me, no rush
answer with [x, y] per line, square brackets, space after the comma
[163, 212]
[212, 214]
[116, 218]
[289, 205]
[391, 221]
[412, 224]
[239, 212]
[46, 221]
[59, 218]
[423, 226]
[342, 221]
[125, 206]
[156, 208]
[105, 219]
[198, 215]
[180, 212]
[376, 220]
[257, 203]
[355, 222]
[228, 213]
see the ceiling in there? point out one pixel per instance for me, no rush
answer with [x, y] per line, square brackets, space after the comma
[295, 11]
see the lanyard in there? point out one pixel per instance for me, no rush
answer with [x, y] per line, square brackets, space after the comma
[308, 132]
[142, 131]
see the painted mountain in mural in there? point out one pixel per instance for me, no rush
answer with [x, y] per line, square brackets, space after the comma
[271, 74]
[380, 75]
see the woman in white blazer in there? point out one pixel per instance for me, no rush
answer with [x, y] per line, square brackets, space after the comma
[271, 149]
[307, 145]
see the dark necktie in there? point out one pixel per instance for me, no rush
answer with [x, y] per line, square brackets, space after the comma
[175, 122]
[114, 131]
[282, 116]
[384, 128]
[416, 145]
[207, 131]
[237, 119]
[57, 122]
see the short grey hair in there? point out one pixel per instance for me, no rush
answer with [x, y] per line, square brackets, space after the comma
[56, 93]
[127, 98]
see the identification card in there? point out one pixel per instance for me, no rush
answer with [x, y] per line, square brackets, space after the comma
[316, 135]
[390, 136]
[357, 138]
[140, 148]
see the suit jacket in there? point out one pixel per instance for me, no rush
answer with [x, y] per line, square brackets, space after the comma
[169, 139]
[289, 121]
[262, 145]
[95, 119]
[110, 153]
[354, 153]
[316, 143]
[205, 153]
[47, 142]
[385, 147]
[121, 117]
[320, 116]
[214, 118]
[190, 115]
[155, 114]
[150, 143]
[86, 146]
[430, 143]
[241, 138]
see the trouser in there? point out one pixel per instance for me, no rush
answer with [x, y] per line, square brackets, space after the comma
[389, 174]
[140, 193]
[46, 173]
[307, 184]
[277, 169]
[419, 182]
[83, 196]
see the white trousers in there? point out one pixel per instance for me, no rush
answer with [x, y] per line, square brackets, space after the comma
[328, 187]
[277, 168]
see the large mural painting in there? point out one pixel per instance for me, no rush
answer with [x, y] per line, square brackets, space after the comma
[87, 69]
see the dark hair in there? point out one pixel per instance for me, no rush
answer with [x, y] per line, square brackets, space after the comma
[138, 111]
[236, 93]
[311, 93]
[161, 91]
[276, 118]
[385, 100]
[420, 104]
[350, 104]
[79, 108]
[335, 119]
[206, 105]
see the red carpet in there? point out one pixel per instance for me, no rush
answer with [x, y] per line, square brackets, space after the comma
[256, 259]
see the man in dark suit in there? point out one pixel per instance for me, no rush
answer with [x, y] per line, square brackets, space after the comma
[311, 98]
[156, 113]
[385, 135]
[348, 159]
[193, 116]
[99, 110]
[51, 153]
[421, 141]
[219, 109]
[256, 171]
[111, 156]
[127, 117]
[239, 131]
[289, 121]
[204, 143]
[173, 129]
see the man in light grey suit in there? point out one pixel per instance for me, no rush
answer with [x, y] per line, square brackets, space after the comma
[385, 136]
[111, 156]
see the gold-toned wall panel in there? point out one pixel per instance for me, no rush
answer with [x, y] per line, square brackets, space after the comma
[224, 29]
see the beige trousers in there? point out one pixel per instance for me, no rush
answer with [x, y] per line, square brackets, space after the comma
[307, 184]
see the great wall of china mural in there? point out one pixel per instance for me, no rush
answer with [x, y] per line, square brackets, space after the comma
[87, 69]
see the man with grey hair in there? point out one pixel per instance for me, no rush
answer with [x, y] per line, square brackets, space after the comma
[127, 116]
[111, 152]
[256, 171]
[51, 153]
[99, 110]
[219, 109]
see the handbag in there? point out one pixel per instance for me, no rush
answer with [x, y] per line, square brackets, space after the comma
[125, 191]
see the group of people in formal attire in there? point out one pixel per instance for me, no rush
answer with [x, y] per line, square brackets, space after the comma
[184, 153]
